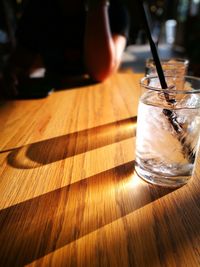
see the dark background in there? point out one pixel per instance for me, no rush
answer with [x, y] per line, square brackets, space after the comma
[185, 12]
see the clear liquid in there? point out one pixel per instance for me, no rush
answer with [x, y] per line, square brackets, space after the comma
[160, 149]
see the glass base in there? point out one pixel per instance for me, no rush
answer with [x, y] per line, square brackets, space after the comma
[160, 179]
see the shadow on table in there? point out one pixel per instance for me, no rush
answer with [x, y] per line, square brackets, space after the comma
[62, 147]
[41, 225]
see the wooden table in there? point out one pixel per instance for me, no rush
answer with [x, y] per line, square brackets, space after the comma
[69, 195]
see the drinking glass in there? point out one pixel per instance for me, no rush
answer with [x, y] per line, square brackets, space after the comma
[175, 67]
[168, 127]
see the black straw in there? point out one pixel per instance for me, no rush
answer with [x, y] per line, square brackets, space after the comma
[171, 115]
[152, 46]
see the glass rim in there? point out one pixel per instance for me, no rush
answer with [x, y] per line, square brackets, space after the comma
[171, 88]
[167, 60]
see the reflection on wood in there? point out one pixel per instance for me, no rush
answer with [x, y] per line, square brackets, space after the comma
[73, 211]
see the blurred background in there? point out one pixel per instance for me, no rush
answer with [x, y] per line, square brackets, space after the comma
[175, 27]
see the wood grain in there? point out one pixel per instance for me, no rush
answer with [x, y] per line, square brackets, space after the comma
[69, 193]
